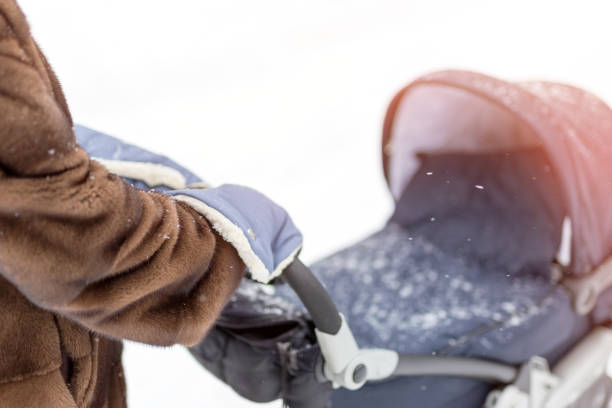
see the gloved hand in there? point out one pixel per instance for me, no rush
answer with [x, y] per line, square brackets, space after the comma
[261, 231]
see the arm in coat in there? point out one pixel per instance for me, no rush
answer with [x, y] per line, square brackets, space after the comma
[81, 242]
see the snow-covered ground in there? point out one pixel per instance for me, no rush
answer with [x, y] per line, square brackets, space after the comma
[288, 97]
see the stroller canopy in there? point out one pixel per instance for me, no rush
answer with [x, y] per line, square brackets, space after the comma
[458, 111]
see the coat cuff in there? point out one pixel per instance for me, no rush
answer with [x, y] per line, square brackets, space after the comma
[235, 235]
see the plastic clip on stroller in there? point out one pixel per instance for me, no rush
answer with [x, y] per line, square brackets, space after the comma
[345, 365]
[587, 289]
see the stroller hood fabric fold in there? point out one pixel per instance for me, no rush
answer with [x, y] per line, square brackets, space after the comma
[464, 111]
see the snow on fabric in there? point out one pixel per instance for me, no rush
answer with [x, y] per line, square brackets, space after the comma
[401, 292]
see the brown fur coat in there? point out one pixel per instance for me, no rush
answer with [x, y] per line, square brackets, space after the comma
[85, 259]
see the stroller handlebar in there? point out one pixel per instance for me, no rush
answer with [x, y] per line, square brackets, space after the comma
[314, 297]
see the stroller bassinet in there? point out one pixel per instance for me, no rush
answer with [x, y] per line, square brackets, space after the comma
[465, 275]
[485, 174]
[415, 289]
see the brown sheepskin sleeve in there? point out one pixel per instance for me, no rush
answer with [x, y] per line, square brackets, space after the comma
[81, 242]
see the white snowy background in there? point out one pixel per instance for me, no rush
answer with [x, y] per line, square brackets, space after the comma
[288, 96]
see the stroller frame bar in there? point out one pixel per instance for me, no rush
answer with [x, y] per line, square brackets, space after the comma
[417, 365]
[579, 380]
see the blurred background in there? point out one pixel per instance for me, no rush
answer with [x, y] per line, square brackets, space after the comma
[288, 97]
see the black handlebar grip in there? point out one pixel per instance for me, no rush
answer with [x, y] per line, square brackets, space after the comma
[314, 297]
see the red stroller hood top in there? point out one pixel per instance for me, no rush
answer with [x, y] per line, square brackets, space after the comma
[465, 111]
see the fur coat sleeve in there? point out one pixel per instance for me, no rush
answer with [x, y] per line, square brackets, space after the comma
[81, 242]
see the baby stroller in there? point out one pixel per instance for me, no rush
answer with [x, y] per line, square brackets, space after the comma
[486, 288]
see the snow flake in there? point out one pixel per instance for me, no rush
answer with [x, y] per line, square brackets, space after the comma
[508, 307]
[251, 234]
[406, 291]
[514, 321]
